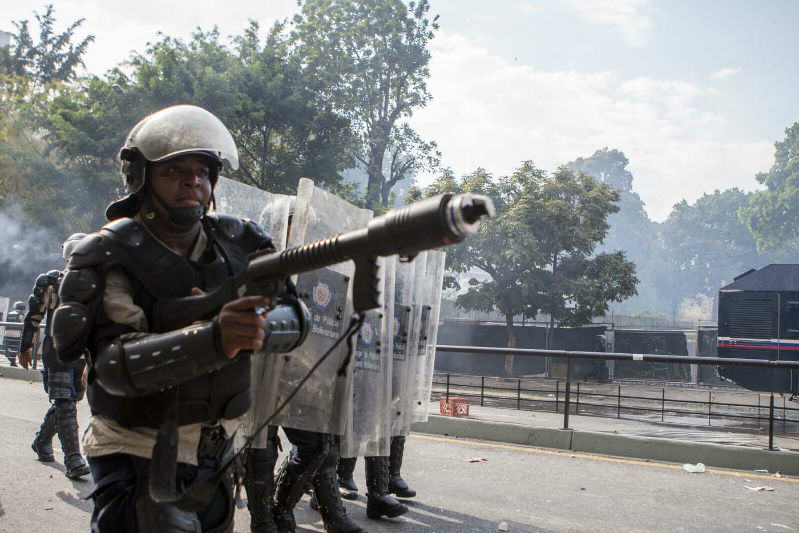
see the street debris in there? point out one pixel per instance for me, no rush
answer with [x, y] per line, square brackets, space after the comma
[698, 468]
[503, 526]
[476, 460]
[777, 474]
[782, 526]
[761, 471]
[759, 489]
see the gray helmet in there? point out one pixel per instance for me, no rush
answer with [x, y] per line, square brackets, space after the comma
[70, 244]
[171, 132]
[19, 306]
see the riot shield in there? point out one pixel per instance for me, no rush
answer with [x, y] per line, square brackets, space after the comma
[418, 320]
[401, 329]
[4, 304]
[368, 431]
[428, 334]
[271, 211]
[324, 402]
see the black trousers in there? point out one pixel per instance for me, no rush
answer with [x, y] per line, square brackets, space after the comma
[122, 501]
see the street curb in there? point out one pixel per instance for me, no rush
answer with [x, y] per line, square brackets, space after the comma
[13, 372]
[718, 455]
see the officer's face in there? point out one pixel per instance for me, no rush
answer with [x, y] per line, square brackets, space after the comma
[182, 182]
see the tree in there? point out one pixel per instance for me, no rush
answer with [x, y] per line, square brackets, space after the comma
[567, 213]
[282, 128]
[537, 253]
[56, 57]
[772, 215]
[370, 58]
[630, 229]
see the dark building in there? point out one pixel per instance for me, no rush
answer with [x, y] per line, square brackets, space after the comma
[759, 319]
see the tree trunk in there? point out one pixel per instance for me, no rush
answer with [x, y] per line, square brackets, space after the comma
[511, 344]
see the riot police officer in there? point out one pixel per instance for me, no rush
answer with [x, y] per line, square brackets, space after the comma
[13, 334]
[63, 383]
[165, 404]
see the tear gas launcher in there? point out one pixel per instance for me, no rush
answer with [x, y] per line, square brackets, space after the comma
[428, 224]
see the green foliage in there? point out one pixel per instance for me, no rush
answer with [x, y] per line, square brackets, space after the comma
[370, 60]
[706, 243]
[630, 229]
[55, 57]
[538, 252]
[257, 88]
[773, 215]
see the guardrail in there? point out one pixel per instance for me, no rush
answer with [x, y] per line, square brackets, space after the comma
[570, 355]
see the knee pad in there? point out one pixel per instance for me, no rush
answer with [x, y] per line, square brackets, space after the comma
[60, 386]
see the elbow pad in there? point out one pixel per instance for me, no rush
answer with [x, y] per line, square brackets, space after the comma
[154, 363]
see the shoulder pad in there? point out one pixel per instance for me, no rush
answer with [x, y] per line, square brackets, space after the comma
[93, 249]
[43, 280]
[54, 275]
[231, 227]
[125, 232]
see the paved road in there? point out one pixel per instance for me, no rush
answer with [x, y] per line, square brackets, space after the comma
[531, 489]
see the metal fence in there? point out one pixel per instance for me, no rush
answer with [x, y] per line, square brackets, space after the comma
[559, 394]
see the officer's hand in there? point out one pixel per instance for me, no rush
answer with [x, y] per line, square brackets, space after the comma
[25, 358]
[240, 327]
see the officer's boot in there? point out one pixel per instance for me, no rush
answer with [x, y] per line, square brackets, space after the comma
[345, 470]
[43, 441]
[260, 482]
[67, 417]
[397, 485]
[331, 507]
[289, 487]
[379, 502]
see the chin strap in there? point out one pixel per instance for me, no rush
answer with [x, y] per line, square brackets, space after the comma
[185, 217]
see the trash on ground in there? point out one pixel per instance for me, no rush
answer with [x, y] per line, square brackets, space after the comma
[777, 474]
[582, 488]
[761, 470]
[759, 489]
[782, 526]
[476, 460]
[698, 468]
[503, 526]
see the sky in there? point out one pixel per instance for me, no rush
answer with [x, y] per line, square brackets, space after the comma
[694, 93]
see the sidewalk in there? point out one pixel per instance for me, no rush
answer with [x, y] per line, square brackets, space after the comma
[624, 438]
[631, 426]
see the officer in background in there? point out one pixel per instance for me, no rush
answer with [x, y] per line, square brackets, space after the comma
[165, 404]
[63, 383]
[11, 341]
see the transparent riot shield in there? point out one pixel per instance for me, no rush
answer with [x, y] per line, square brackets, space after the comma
[418, 321]
[401, 329]
[368, 430]
[428, 334]
[4, 304]
[324, 401]
[271, 211]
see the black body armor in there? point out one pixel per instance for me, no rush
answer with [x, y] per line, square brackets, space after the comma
[40, 306]
[156, 274]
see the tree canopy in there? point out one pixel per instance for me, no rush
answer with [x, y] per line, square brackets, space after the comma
[537, 253]
[370, 60]
[772, 215]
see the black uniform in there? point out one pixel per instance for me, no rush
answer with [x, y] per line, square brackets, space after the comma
[164, 380]
[62, 382]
